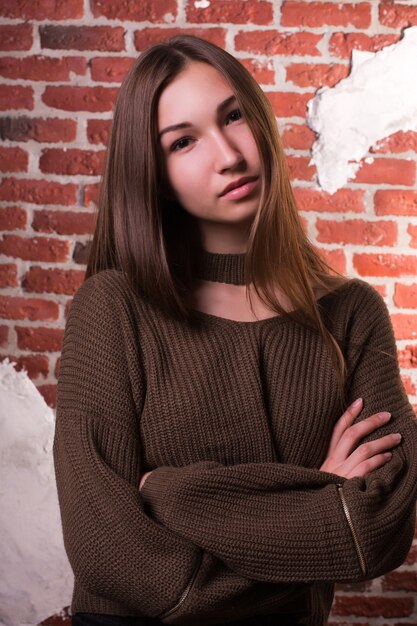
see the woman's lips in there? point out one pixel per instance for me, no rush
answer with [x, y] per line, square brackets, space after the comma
[242, 191]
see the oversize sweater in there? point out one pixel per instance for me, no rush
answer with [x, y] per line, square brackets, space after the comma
[235, 418]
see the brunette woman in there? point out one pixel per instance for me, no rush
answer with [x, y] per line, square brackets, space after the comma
[211, 465]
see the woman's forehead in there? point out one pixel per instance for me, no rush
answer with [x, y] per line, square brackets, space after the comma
[192, 92]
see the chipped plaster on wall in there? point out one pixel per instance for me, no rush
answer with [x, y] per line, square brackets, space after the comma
[377, 99]
[35, 576]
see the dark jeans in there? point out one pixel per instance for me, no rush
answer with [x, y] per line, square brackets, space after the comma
[97, 619]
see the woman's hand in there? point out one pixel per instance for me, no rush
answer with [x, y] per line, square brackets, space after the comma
[142, 480]
[345, 457]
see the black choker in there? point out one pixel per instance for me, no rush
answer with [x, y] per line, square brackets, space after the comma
[222, 268]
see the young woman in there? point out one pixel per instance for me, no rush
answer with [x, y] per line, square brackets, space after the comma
[211, 465]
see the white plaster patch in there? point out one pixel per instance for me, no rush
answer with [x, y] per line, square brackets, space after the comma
[201, 4]
[377, 99]
[35, 576]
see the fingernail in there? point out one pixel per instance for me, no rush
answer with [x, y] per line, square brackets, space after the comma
[357, 402]
[397, 437]
[388, 455]
[384, 416]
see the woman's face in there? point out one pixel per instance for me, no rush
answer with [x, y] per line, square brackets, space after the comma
[212, 149]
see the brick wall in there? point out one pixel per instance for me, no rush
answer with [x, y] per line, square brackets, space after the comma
[61, 65]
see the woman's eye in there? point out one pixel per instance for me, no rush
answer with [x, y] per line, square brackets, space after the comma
[174, 146]
[236, 111]
[234, 115]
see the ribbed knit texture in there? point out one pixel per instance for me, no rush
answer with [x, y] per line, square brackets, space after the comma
[235, 418]
[223, 268]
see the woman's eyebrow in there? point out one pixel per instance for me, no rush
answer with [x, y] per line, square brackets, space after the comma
[220, 107]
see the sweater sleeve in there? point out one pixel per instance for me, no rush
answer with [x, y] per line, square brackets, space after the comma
[120, 555]
[115, 550]
[276, 522]
[382, 505]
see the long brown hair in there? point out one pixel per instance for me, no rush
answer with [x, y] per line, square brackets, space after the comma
[143, 231]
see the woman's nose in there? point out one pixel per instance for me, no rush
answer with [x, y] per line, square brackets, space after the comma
[226, 154]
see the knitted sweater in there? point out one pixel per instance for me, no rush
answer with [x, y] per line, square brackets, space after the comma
[235, 418]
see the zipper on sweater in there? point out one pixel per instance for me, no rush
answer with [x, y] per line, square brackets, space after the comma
[346, 511]
[186, 591]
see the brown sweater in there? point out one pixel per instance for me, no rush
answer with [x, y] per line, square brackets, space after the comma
[237, 520]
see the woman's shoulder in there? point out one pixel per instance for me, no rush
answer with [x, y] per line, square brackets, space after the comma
[352, 301]
[107, 289]
[348, 288]
[109, 281]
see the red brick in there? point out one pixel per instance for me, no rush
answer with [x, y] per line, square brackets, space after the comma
[52, 280]
[48, 130]
[35, 249]
[356, 587]
[405, 296]
[263, 73]
[297, 136]
[16, 37]
[404, 325]
[395, 202]
[8, 275]
[96, 99]
[373, 606]
[387, 171]
[12, 218]
[56, 374]
[309, 75]
[71, 161]
[64, 222]
[341, 201]
[412, 231]
[19, 308]
[398, 15]
[13, 160]
[144, 11]
[39, 339]
[377, 264]
[409, 386]
[335, 258]
[342, 44]
[358, 232]
[67, 308]
[90, 196]
[408, 358]
[397, 142]
[37, 191]
[63, 619]
[49, 395]
[4, 336]
[40, 67]
[106, 38]
[98, 131]
[271, 42]
[34, 364]
[288, 104]
[146, 37]
[110, 69]
[412, 555]
[14, 97]
[41, 9]
[231, 11]
[300, 168]
[339, 623]
[316, 14]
